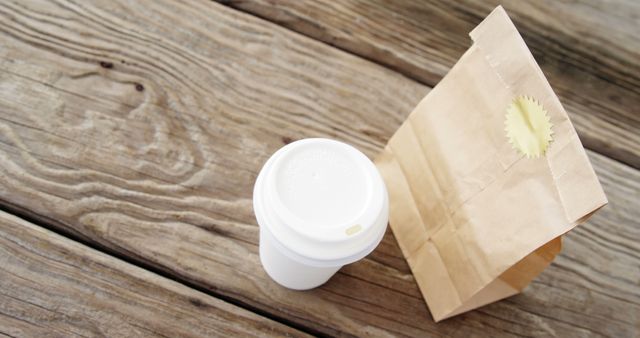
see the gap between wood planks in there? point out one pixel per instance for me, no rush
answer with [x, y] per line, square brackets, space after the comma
[49, 224]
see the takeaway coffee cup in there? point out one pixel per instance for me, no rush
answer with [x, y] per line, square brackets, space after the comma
[320, 204]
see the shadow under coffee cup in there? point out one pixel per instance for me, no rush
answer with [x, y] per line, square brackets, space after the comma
[320, 204]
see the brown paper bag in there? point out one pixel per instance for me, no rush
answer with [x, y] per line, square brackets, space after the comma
[476, 219]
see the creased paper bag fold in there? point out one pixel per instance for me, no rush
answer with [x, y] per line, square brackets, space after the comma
[476, 219]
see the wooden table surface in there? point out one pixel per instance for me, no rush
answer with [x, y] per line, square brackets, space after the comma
[131, 134]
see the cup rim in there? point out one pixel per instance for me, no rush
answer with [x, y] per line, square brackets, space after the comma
[311, 247]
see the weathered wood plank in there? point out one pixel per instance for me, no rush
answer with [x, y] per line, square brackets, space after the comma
[588, 50]
[146, 138]
[52, 286]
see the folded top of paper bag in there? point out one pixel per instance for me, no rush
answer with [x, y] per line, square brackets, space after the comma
[485, 175]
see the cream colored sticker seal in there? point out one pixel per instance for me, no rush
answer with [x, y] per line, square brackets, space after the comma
[528, 127]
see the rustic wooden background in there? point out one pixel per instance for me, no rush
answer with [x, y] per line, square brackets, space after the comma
[131, 134]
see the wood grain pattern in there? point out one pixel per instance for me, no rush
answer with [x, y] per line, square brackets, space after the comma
[146, 138]
[588, 50]
[53, 287]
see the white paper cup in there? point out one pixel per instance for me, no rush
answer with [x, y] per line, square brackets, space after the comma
[320, 204]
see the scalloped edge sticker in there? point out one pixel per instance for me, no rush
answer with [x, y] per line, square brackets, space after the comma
[528, 126]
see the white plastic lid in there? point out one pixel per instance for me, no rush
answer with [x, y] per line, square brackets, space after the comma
[323, 201]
